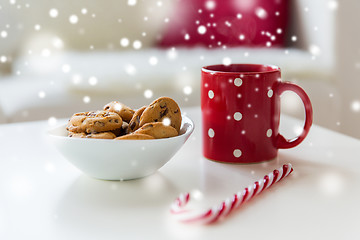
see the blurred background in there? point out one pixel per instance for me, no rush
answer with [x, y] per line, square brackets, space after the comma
[61, 57]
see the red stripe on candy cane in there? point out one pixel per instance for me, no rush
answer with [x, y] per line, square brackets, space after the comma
[227, 206]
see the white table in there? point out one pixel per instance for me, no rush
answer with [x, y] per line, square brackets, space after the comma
[42, 196]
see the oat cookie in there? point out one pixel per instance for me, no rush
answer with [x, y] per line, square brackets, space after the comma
[135, 136]
[135, 120]
[102, 135]
[95, 121]
[158, 130]
[160, 109]
[124, 111]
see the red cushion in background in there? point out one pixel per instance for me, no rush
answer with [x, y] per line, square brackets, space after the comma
[257, 21]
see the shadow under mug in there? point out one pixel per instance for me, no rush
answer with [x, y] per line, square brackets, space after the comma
[240, 105]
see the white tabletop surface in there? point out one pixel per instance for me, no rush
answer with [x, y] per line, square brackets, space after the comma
[42, 196]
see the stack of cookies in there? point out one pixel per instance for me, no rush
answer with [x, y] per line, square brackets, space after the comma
[161, 119]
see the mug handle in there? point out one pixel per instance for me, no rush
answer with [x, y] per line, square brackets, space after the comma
[282, 142]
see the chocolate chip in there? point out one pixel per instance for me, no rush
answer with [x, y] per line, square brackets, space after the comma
[132, 125]
[163, 113]
[176, 111]
[117, 121]
[107, 108]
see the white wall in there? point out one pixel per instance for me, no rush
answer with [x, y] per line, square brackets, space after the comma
[348, 66]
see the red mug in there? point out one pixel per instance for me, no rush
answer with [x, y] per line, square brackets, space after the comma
[240, 105]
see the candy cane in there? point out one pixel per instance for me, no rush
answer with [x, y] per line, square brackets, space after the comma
[213, 214]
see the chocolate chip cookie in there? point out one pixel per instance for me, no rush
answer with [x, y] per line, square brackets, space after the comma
[135, 136]
[160, 109]
[94, 122]
[135, 120]
[77, 135]
[102, 135]
[125, 112]
[157, 130]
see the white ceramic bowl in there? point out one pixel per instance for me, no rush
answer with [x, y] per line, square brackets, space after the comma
[119, 159]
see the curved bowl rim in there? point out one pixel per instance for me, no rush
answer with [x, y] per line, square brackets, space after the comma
[185, 134]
